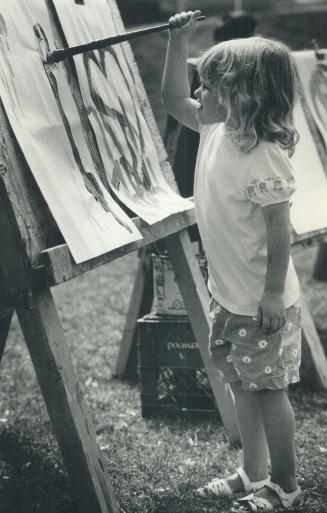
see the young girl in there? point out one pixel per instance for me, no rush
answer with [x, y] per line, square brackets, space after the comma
[243, 183]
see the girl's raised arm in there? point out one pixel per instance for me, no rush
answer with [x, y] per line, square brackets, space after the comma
[175, 85]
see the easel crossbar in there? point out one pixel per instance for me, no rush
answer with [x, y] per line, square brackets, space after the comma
[60, 266]
[308, 239]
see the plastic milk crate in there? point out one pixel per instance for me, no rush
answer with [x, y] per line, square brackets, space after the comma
[173, 379]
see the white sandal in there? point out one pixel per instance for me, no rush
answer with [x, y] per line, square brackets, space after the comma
[220, 487]
[255, 504]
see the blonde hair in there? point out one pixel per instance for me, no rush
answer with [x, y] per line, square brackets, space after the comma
[256, 85]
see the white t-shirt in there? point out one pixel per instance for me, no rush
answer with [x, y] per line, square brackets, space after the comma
[230, 187]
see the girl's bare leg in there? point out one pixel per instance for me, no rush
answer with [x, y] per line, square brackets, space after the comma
[254, 443]
[278, 420]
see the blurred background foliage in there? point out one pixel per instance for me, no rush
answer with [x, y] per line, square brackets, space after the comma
[295, 22]
[136, 12]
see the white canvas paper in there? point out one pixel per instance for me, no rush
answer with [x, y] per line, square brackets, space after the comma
[115, 111]
[309, 209]
[313, 77]
[46, 122]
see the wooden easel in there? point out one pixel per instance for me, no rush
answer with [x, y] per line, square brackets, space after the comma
[34, 258]
[320, 268]
[314, 349]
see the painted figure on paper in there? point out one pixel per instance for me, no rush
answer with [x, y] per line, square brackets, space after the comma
[118, 119]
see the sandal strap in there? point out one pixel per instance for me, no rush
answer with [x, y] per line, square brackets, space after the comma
[251, 486]
[220, 487]
[256, 504]
[245, 480]
[287, 499]
[216, 488]
[258, 485]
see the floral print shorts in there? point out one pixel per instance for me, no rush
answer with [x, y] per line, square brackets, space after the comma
[240, 351]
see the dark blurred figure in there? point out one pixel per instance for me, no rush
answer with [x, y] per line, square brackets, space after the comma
[235, 27]
[141, 12]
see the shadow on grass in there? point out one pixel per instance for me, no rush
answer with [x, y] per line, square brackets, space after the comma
[191, 504]
[30, 481]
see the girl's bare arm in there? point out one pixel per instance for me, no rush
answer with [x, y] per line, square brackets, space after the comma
[175, 85]
[271, 310]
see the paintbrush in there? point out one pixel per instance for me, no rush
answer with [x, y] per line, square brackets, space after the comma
[63, 53]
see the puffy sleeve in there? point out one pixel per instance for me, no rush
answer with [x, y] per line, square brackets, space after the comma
[270, 179]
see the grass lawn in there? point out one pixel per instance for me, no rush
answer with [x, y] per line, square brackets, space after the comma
[154, 464]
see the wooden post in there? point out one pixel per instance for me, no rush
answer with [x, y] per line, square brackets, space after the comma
[29, 293]
[14, 264]
[64, 400]
[139, 305]
[320, 268]
[196, 299]
[316, 351]
[5, 320]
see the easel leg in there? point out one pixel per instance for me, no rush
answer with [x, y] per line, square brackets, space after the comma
[316, 350]
[5, 320]
[320, 268]
[140, 304]
[67, 410]
[196, 299]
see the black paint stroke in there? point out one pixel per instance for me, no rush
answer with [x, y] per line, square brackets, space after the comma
[89, 179]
